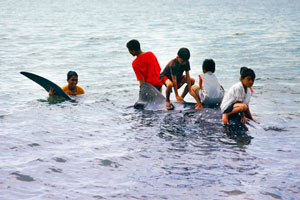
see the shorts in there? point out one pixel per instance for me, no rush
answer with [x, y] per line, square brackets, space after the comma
[205, 100]
[229, 108]
[165, 78]
[158, 87]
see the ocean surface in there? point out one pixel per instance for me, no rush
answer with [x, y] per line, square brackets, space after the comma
[99, 147]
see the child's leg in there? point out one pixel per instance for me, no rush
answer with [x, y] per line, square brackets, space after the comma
[169, 85]
[195, 93]
[237, 107]
[186, 89]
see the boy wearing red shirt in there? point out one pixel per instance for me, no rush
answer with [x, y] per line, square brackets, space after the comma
[145, 66]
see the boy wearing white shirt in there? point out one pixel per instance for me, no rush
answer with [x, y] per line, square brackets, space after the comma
[209, 92]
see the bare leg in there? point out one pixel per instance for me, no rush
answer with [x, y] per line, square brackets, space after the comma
[169, 85]
[196, 97]
[186, 89]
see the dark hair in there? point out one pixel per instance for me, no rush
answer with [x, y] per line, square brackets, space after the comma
[70, 74]
[209, 65]
[133, 45]
[244, 71]
[184, 54]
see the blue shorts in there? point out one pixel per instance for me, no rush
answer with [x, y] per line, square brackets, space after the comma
[158, 87]
[229, 108]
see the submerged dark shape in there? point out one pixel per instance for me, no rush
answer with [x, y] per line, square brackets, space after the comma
[237, 130]
[46, 84]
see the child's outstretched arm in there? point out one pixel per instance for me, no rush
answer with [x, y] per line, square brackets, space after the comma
[249, 115]
[178, 98]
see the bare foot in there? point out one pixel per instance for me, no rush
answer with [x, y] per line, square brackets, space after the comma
[225, 119]
[198, 106]
[179, 99]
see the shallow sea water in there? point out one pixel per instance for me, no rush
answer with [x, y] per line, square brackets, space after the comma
[99, 147]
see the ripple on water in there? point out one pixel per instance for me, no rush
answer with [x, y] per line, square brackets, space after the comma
[23, 177]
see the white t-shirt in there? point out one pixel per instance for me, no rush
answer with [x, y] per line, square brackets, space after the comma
[236, 93]
[211, 92]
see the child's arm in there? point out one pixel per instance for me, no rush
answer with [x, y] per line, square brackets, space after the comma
[243, 118]
[51, 92]
[174, 80]
[249, 115]
[142, 81]
[223, 94]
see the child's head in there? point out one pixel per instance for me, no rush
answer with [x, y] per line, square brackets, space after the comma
[183, 56]
[133, 46]
[208, 66]
[72, 78]
[247, 76]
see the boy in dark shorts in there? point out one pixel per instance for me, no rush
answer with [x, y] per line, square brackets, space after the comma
[145, 66]
[172, 76]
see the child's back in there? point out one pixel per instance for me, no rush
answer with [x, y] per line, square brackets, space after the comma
[211, 90]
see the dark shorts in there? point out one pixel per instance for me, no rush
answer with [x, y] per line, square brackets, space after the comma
[158, 87]
[165, 78]
[229, 109]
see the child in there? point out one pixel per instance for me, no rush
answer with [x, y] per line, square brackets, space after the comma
[72, 88]
[238, 97]
[172, 76]
[209, 92]
[145, 66]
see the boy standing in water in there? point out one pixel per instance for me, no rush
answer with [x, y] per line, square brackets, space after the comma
[172, 76]
[237, 99]
[209, 91]
[145, 66]
[72, 88]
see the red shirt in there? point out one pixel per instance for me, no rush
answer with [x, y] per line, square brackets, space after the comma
[146, 66]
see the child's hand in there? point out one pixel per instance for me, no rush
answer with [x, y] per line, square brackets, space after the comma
[179, 99]
[51, 92]
[255, 121]
[198, 106]
[244, 119]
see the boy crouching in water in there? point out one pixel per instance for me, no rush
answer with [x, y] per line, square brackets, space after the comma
[237, 99]
[209, 92]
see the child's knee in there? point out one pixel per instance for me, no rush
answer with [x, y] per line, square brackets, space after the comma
[194, 87]
[169, 84]
[244, 107]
